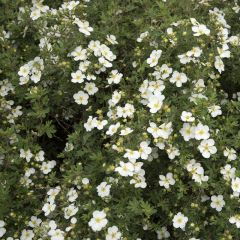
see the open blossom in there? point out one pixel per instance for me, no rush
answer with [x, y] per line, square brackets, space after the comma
[103, 189]
[113, 233]
[187, 117]
[207, 148]
[154, 57]
[155, 102]
[219, 65]
[90, 88]
[200, 29]
[2, 228]
[79, 53]
[83, 26]
[165, 71]
[230, 154]
[98, 221]
[27, 235]
[35, 222]
[48, 166]
[235, 184]
[70, 211]
[215, 110]
[179, 221]
[125, 169]
[48, 208]
[144, 150]
[131, 155]
[187, 131]
[113, 129]
[81, 98]
[217, 202]
[56, 234]
[172, 152]
[202, 132]
[77, 77]
[235, 220]
[228, 172]
[167, 180]
[115, 77]
[178, 78]
[196, 171]
[163, 233]
[26, 154]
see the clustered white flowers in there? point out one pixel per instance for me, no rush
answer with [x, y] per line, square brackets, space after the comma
[164, 123]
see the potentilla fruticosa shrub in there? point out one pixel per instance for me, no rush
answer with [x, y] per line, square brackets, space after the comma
[119, 120]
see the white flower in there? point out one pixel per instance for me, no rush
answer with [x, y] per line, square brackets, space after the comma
[165, 130]
[79, 54]
[197, 171]
[155, 102]
[35, 14]
[48, 208]
[187, 131]
[103, 190]
[126, 131]
[131, 155]
[187, 117]
[115, 77]
[215, 110]
[70, 211]
[101, 124]
[224, 52]
[98, 221]
[207, 148]
[235, 184]
[26, 154]
[178, 78]
[90, 88]
[154, 57]
[77, 77]
[112, 39]
[27, 235]
[201, 132]
[24, 71]
[56, 234]
[228, 172]
[165, 71]
[219, 65]
[85, 181]
[2, 229]
[113, 129]
[90, 124]
[72, 195]
[81, 98]
[125, 169]
[172, 152]
[48, 166]
[235, 220]
[35, 222]
[230, 154]
[39, 157]
[179, 221]
[200, 30]
[166, 181]
[163, 233]
[154, 130]
[113, 233]
[144, 150]
[217, 202]
[83, 26]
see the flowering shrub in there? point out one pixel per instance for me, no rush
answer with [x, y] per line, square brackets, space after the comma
[119, 120]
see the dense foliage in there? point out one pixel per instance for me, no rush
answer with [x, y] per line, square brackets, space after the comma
[119, 119]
